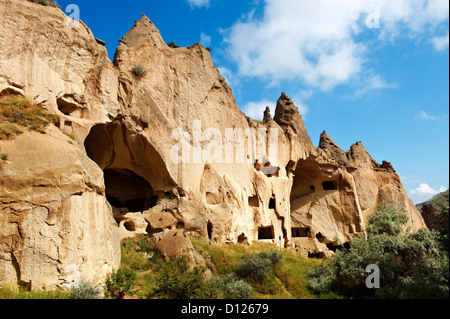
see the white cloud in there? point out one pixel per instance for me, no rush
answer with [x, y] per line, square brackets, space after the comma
[424, 192]
[205, 40]
[316, 41]
[370, 82]
[198, 3]
[425, 116]
[440, 43]
[255, 110]
[228, 75]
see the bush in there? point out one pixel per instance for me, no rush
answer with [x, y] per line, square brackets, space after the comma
[412, 265]
[46, 3]
[177, 280]
[273, 255]
[120, 283]
[254, 268]
[20, 111]
[139, 71]
[4, 157]
[86, 290]
[231, 287]
[172, 45]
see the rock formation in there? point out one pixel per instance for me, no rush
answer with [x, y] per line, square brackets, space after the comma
[144, 156]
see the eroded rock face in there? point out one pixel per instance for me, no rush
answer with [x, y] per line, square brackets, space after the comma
[54, 215]
[314, 200]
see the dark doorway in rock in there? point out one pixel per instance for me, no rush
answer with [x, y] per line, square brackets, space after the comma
[337, 247]
[126, 189]
[329, 186]
[272, 203]
[266, 233]
[209, 228]
[253, 201]
[301, 232]
[319, 255]
[242, 239]
[320, 238]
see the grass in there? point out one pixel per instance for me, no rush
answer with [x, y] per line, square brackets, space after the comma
[17, 112]
[289, 278]
[138, 255]
[13, 293]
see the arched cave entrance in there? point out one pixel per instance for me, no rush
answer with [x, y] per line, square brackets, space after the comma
[124, 188]
[135, 175]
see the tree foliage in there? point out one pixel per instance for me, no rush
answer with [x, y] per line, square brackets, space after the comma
[176, 279]
[120, 284]
[412, 265]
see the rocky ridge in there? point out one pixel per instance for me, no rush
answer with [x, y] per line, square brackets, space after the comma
[65, 205]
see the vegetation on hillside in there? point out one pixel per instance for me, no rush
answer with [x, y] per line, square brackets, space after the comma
[46, 3]
[412, 265]
[440, 205]
[139, 71]
[17, 113]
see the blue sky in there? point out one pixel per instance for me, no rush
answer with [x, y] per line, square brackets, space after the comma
[375, 71]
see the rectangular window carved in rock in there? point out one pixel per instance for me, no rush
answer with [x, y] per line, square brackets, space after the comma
[328, 186]
[266, 233]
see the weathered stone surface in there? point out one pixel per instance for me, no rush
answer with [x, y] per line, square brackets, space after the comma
[176, 243]
[159, 222]
[54, 215]
[330, 147]
[54, 198]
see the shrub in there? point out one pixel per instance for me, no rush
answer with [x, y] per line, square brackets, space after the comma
[46, 3]
[86, 290]
[177, 280]
[4, 157]
[273, 255]
[139, 71]
[231, 287]
[172, 45]
[120, 283]
[254, 268]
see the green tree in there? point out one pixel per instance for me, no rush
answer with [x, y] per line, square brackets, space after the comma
[176, 279]
[120, 284]
[412, 265]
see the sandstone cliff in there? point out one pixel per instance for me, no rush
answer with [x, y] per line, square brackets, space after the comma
[58, 200]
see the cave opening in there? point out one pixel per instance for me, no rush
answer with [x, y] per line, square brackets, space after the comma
[319, 255]
[242, 239]
[266, 233]
[126, 189]
[336, 247]
[272, 203]
[253, 201]
[298, 232]
[305, 182]
[135, 176]
[329, 185]
[209, 228]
